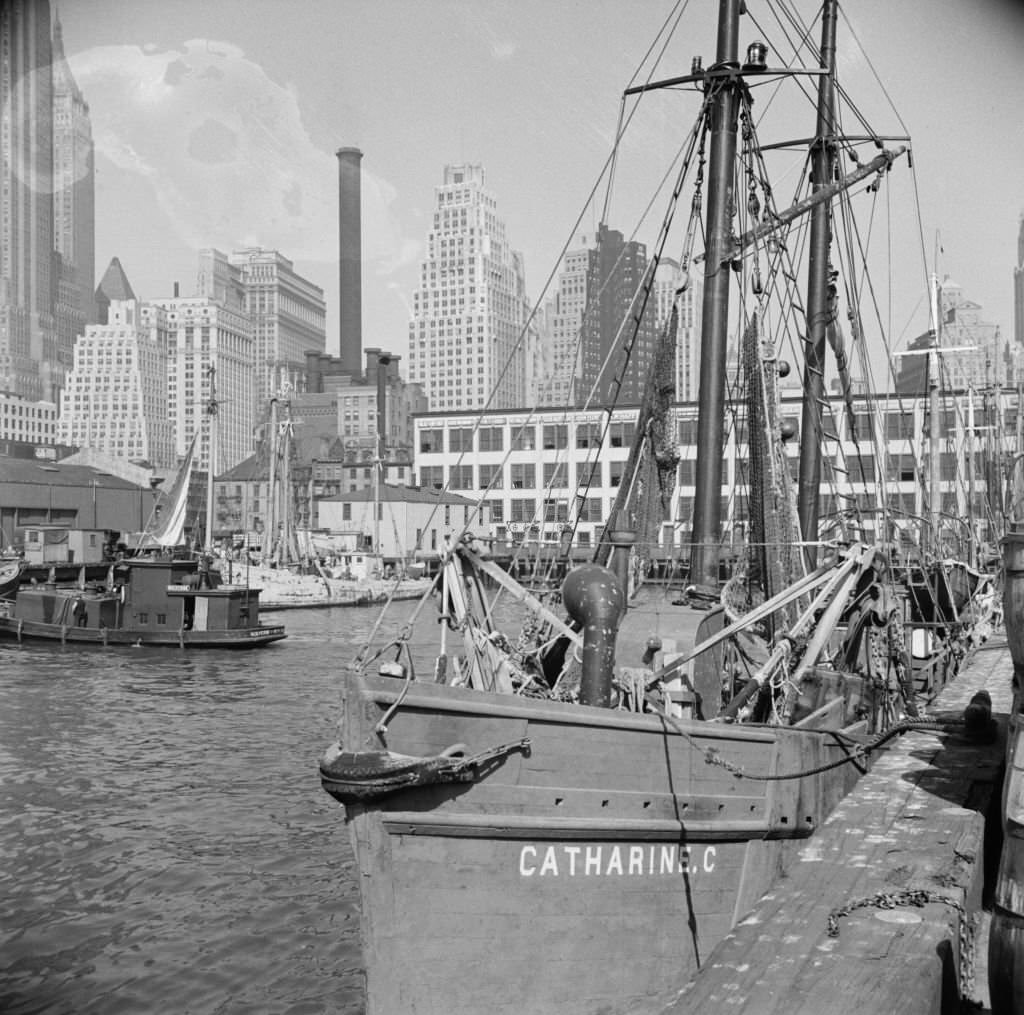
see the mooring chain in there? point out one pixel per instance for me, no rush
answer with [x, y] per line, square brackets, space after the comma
[968, 943]
[916, 897]
[857, 751]
[919, 897]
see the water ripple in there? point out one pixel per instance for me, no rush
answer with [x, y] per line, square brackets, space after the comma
[165, 844]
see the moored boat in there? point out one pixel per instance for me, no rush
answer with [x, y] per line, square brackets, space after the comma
[540, 828]
[147, 600]
[10, 575]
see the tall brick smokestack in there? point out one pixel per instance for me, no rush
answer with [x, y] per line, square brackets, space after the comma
[350, 293]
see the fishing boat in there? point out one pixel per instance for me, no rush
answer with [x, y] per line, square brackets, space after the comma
[539, 828]
[158, 597]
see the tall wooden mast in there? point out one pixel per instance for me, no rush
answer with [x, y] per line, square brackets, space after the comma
[820, 306]
[270, 537]
[707, 508]
[212, 408]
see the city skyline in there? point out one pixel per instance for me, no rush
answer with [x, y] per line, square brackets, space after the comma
[228, 139]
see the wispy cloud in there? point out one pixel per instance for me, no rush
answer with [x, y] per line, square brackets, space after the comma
[225, 151]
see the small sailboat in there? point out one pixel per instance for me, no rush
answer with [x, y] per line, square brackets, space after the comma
[540, 828]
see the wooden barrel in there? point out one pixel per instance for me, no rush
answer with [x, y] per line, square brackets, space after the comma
[1006, 934]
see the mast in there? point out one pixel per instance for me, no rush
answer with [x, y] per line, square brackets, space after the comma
[820, 305]
[271, 537]
[993, 473]
[973, 526]
[211, 412]
[286, 487]
[378, 466]
[707, 508]
[934, 462]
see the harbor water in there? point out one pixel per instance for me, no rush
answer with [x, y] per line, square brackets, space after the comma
[165, 843]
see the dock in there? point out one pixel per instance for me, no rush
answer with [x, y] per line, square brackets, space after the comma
[876, 911]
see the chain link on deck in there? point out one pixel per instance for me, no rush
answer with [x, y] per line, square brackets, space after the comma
[919, 897]
[916, 897]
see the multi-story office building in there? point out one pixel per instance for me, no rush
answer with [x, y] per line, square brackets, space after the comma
[978, 358]
[985, 356]
[533, 470]
[28, 346]
[115, 397]
[615, 280]
[74, 200]
[45, 172]
[28, 422]
[287, 311]
[562, 379]
[562, 329]
[538, 471]
[210, 356]
[467, 346]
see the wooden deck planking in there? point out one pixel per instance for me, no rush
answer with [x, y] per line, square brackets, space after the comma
[913, 822]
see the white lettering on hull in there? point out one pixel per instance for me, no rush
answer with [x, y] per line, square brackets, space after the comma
[563, 860]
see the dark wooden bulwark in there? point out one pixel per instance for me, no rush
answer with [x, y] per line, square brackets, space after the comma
[915, 823]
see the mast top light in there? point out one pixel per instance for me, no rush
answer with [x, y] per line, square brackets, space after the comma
[757, 56]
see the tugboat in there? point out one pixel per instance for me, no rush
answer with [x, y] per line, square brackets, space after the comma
[158, 597]
[158, 600]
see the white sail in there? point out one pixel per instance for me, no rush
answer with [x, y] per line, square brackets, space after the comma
[172, 524]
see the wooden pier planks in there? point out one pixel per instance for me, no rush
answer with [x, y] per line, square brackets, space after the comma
[914, 822]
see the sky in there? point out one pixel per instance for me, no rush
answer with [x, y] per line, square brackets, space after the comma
[216, 123]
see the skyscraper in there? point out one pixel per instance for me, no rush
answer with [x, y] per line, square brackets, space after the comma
[615, 276]
[982, 357]
[467, 336]
[563, 323]
[45, 147]
[27, 335]
[210, 355]
[287, 311]
[115, 396]
[74, 200]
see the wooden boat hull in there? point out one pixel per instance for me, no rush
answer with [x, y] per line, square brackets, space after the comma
[591, 866]
[255, 637]
[10, 576]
